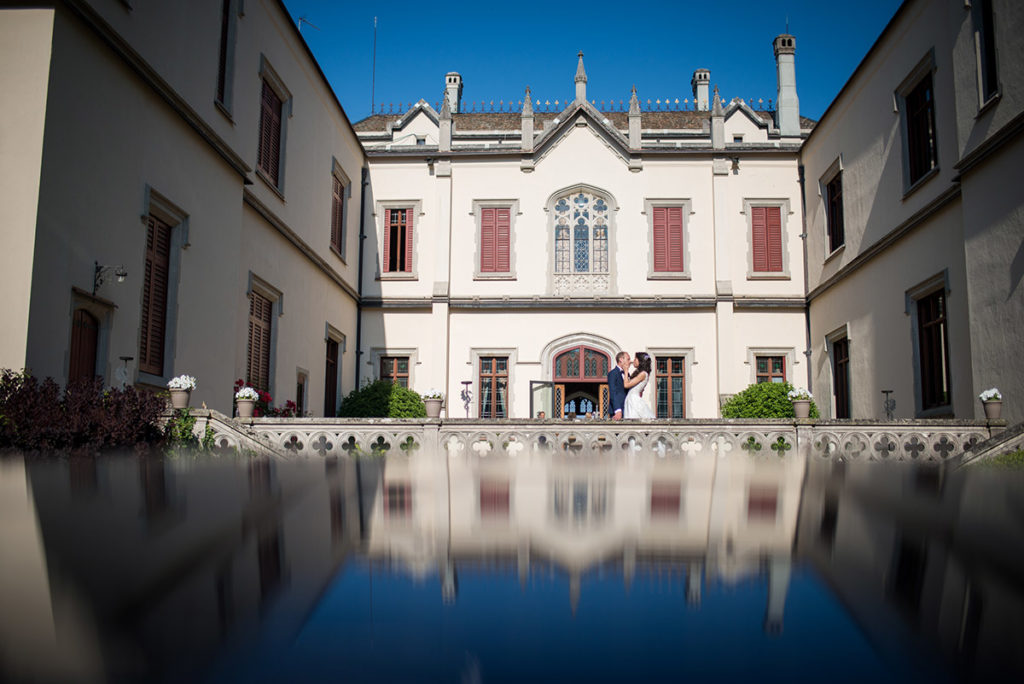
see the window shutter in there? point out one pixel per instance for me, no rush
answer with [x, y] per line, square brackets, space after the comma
[660, 239]
[774, 234]
[154, 297]
[759, 238]
[488, 229]
[337, 205]
[259, 341]
[503, 240]
[387, 240]
[408, 240]
[674, 216]
[270, 133]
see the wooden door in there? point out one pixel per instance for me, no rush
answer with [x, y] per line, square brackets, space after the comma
[604, 400]
[84, 334]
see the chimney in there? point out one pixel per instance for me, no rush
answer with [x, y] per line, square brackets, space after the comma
[699, 83]
[444, 125]
[453, 90]
[634, 121]
[581, 81]
[787, 108]
[717, 123]
[527, 123]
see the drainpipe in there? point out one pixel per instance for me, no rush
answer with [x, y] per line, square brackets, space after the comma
[365, 181]
[807, 304]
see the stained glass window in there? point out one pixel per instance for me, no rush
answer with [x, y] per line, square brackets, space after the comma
[582, 219]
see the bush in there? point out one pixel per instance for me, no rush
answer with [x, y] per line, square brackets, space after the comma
[764, 400]
[383, 399]
[40, 416]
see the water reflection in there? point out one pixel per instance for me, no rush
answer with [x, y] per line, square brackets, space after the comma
[423, 567]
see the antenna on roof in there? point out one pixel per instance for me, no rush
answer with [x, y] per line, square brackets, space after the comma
[373, 73]
[303, 20]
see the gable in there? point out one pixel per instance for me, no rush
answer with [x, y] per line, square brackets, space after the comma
[421, 124]
[578, 151]
[588, 120]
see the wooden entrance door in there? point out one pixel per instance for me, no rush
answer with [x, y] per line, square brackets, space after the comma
[85, 329]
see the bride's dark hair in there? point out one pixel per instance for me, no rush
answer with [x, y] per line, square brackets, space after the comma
[643, 364]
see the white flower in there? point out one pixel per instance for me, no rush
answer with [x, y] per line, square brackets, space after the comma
[247, 393]
[184, 382]
[432, 394]
[991, 395]
[799, 394]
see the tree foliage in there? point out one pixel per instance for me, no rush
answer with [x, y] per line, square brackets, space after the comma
[383, 399]
[764, 400]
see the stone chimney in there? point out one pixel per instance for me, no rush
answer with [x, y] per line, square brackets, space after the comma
[581, 81]
[444, 125]
[527, 123]
[634, 121]
[453, 90]
[700, 81]
[717, 123]
[787, 108]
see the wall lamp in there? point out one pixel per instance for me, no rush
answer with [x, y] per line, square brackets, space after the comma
[100, 272]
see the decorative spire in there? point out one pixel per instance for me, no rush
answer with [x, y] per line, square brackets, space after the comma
[634, 104]
[581, 74]
[446, 110]
[581, 82]
[716, 108]
[527, 104]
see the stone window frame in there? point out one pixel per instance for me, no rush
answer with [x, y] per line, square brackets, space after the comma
[512, 353]
[686, 204]
[276, 83]
[784, 213]
[224, 105]
[688, 363]
[380, 217]
[834, 170]
[936, 283]
[978, 10]
[839, 333]
[789, 353]
[549, 241]
[377, 352]
[476, 212]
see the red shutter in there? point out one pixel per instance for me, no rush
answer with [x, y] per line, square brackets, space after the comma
[337, 206]
[759, 238]
[660, 239]
[487, 240]
[502, 240]
[387, 240]
[154, 297]
[408, 240]
[674, 217]
[774, 233]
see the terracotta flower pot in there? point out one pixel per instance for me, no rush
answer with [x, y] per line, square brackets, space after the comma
[245, 407]
[993, 409]
[433, 407]
[179, 398]
[802, 408]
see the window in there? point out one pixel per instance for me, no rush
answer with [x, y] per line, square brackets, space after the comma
[581, 234]
[985, 45]
[395, 369]
[766, 239]
[834, 212]
[933, 350]
[398, 241]
[667, 225]
[670, 384]
[841, 376]
[331, 379]
[225, 59]
[269, 159]
[300, 393]
[258, 356]
[153, 323]
[770, 369]
[493, 387]
[495, 239]
[917, 99]
[337, 216]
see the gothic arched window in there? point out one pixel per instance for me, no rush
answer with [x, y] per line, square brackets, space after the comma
[581, 233]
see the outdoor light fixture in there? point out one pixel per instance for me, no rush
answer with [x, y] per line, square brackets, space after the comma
[467, 395]
[99, 272]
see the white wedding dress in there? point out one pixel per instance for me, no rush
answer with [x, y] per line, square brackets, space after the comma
[636, 407]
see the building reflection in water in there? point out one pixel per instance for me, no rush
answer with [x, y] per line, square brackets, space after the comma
[181, 563]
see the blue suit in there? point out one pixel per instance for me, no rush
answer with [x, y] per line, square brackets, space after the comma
[616, 391]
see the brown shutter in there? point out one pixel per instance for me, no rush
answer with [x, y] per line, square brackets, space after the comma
[674, 231]
[660, 239]
[84, 333]
[774, 234]
[337, 205]
[759, 237]
[153, 324]
[487, 240]
[502, 240]
[270, 133]
[387, 240]
[258, 370]
[408, 241]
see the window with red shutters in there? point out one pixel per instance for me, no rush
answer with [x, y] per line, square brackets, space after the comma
[258, 359]
[766, 239]
[668, 239]
[495, 239]
[398, 241]
[337, 216]
[269, 158]
[153, 323]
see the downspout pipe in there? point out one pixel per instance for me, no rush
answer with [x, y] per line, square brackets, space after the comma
[365, 182]
[807, 304]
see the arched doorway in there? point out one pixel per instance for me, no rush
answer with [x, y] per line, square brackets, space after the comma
[580, 375]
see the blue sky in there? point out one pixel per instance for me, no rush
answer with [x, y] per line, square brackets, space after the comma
[500, 48]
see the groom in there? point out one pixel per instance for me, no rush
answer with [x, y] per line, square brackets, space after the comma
[616, 386]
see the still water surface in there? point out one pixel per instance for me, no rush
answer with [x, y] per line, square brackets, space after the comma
[419, 568]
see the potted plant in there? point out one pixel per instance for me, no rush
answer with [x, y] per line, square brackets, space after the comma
[181, 389]
[245, 400]
[432, 401]
[992, 401]
[801, 399]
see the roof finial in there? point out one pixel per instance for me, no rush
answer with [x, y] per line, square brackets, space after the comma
[446, 110]
[716, 109]
[527, 104]
[634, 104]
[581, 74]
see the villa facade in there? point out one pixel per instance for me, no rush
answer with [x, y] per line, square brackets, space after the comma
[509, 253]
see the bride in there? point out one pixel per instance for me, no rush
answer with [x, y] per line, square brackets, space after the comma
[636, 407]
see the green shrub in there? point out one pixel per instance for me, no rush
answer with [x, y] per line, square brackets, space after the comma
[1011, 459]
[383, 399]
[764, 400]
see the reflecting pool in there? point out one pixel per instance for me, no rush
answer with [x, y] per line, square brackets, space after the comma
[540, 567]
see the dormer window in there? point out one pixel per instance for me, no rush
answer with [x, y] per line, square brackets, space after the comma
[737, 139]
[421, 140]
